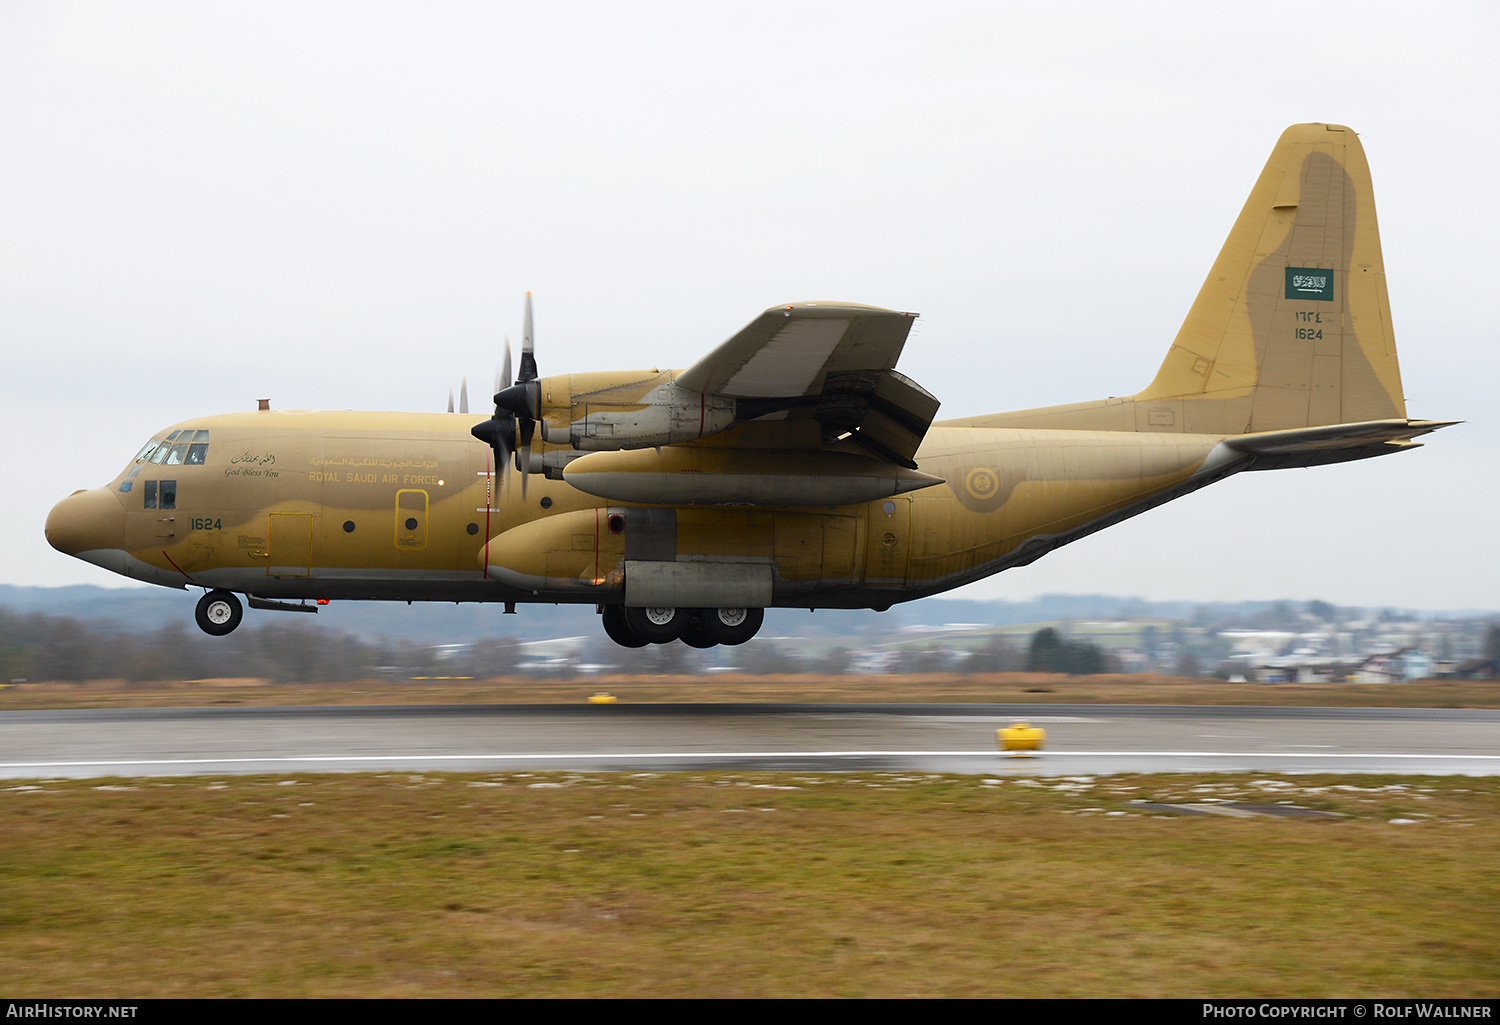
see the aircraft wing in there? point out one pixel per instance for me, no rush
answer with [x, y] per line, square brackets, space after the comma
[788, 350]
[831, 361]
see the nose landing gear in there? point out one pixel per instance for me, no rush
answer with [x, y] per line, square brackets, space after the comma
[218, 613]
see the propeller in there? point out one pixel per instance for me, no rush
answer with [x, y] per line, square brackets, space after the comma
[523, 400]
[463, 397]
[517, 408]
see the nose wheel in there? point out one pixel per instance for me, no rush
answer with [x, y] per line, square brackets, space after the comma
[218, 613]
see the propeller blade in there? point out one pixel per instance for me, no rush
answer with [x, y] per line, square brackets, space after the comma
[450, 401]
[528, 347]
[504, 380]
[463, 397]
[502, 464]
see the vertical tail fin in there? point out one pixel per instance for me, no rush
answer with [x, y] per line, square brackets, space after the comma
[1292, 329]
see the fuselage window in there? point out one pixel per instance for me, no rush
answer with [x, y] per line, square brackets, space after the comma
[129, 478]
[150, 493]
[168, 492]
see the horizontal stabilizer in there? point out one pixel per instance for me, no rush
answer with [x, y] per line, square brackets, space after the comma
[1334, 443]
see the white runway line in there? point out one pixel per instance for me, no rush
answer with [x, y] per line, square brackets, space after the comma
[716, 755]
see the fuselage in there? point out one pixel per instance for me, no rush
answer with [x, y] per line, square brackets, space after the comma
[409, 506]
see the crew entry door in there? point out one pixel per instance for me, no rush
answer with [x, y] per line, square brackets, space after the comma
[411, 520]
[289, 545]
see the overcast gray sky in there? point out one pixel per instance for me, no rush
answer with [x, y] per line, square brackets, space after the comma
[342, 205]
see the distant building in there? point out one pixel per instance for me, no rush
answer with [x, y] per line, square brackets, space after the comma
[1397, 666]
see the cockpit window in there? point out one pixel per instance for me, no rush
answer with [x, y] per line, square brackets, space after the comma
[180, 448]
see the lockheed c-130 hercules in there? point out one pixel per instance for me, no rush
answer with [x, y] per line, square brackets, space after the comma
[790, 467]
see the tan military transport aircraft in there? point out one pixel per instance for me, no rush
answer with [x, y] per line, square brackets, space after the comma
[790, 467]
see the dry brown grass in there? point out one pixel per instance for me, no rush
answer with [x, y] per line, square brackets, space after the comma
[1006, 688]
[745, 884]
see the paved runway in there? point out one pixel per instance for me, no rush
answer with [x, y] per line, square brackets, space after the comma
[1081, 739]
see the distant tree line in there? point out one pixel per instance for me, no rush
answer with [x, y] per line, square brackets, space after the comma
[283, 649]
[35, 646]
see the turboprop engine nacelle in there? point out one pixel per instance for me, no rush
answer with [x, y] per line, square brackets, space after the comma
[665, 415]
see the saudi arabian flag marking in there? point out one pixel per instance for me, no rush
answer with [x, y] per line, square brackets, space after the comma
[1309, 283]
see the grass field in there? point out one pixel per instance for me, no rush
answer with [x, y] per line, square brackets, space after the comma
[1007, 688]
[747, 884]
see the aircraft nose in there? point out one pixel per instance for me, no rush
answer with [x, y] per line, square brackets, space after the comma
[87, 521]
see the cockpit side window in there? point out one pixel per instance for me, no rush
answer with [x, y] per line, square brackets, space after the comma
[150, 494]
[168, 492]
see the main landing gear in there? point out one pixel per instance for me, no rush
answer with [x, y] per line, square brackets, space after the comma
[219, 612]
[699, 628]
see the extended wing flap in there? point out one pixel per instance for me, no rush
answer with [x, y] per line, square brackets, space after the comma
[788, 351]
[896, 418]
